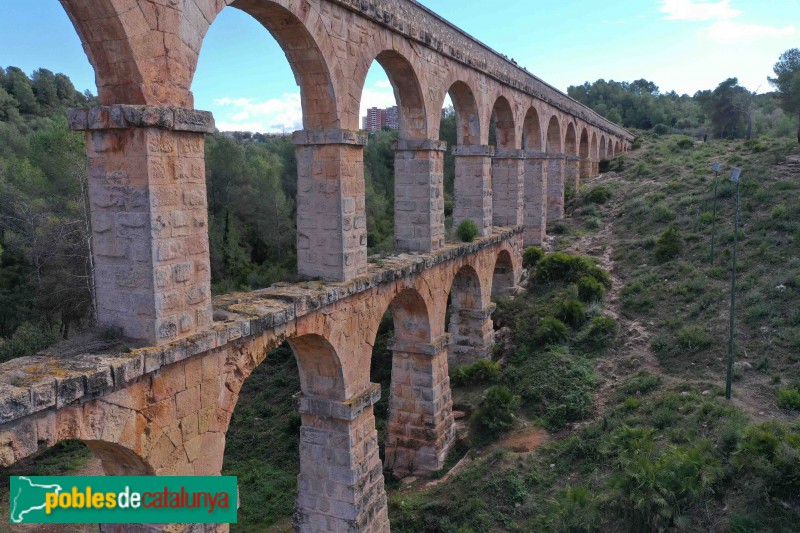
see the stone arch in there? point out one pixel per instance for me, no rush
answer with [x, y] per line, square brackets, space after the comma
[603, 154]
[471, 330]
[570, 140]
[148, 56]
[304, 53]
[532, 131]
[410, 315]
[504, 124]
[503, 276]
[593, 146]
[319, 365]
[118, 460]
[468, 121]
[583, 145]
[554, 136]
[407, 93]
[617, 148]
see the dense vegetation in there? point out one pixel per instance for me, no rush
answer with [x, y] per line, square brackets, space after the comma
[640, 436]
[728, 111]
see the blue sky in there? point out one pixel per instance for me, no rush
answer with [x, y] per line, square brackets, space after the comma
[244, 79]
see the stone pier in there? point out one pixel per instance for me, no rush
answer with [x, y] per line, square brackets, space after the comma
[473, 187]
[508, 187]
[555, 187]
[472, 333]
[331, 215]
[419, 195]
[147, 190]
[535, 214]
[340, 486]
[420, 427]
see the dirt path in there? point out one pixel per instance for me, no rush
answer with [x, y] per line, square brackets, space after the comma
[632, 351]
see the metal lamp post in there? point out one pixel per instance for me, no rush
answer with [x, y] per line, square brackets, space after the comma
[715, 168]
[729, 382]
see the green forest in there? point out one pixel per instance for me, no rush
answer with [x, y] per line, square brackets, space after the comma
[45, 229]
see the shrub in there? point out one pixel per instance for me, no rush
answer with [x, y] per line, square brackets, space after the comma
[467, 230]
[531, 255]
[550, 331]
[789, 398]
[571, 312]
[598, 195]
[557, 386]
[660, 129]
[600, 333]
[663, 213]
[495, 415]
[562, 266]
[590, 290]
[481, 371]
[668, 245]
[26, 340]
[642, 383]
[685, 143]
[693, 339]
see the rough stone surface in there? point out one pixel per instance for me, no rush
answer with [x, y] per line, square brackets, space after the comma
[164, 408]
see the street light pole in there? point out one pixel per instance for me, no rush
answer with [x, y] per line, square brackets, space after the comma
[731, 343]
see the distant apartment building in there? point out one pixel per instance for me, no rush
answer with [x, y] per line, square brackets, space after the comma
[378, 119]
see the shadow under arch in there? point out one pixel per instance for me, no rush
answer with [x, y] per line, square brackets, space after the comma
[570, 141]
[319, 365]
[468, 121]
[504, 124]
[503, 279]
[602, 153]
[554, 136]
[532, 131]
[470, 325]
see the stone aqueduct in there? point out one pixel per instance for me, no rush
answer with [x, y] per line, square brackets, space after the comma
[164, 408]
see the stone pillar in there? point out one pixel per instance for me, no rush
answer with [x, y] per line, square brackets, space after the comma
[586, 168]
[473, 187]
[535, 213]
[508, 188]
[331, 216]
[420, 427]
[555, 187]
[472, 332]
[147, 194]
[419, 195]
[341, 476]
[572, 171]
[595, 168]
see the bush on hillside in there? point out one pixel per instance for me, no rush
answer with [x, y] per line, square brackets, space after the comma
[479, 372]
[550, 330]
[495, 415]
[590, 290]
[598, 195]
[467, 231]
[668, 245]
[562, 266]
[531, 255]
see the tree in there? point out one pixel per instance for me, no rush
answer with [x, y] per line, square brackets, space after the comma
[724, 107]
[44, 87]
[787, 82]
[19, 85]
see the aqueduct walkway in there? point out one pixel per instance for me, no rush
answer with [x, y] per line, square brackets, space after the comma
[164, 409]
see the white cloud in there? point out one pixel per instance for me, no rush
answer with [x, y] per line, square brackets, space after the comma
[728, 31]
[698, 10]
[385, 84]
[275, 115]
